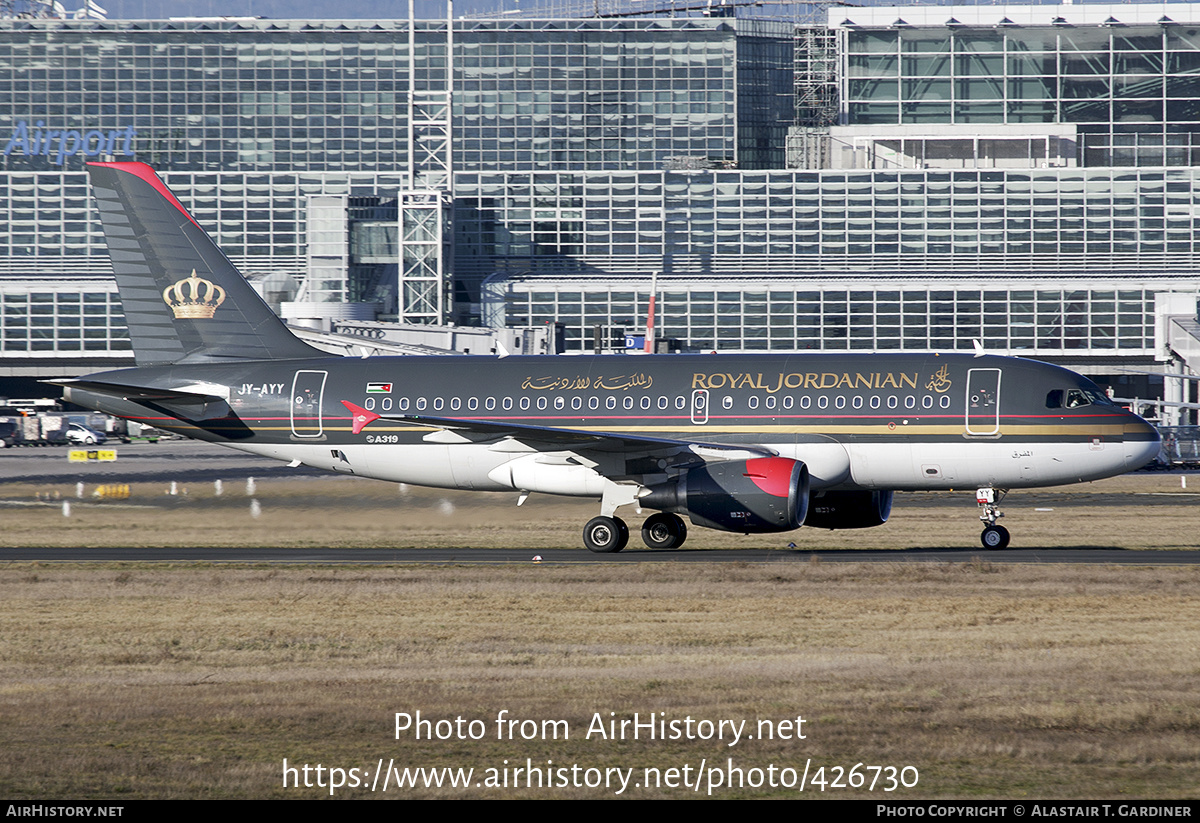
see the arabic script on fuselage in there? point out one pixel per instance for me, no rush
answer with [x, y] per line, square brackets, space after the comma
[940, 382]
[622, 382]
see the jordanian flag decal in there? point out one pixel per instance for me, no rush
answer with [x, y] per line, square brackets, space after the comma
[379, 388]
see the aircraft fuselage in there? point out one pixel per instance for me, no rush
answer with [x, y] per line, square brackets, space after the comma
[870, 421]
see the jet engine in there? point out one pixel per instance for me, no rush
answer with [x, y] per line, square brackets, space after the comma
[848, 509]
[764, 494]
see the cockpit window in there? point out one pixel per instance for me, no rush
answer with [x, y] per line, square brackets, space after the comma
[1077, 399]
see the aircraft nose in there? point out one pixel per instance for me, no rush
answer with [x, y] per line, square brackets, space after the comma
[1142, 443]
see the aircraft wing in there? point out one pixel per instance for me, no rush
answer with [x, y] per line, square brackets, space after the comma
[546, 438]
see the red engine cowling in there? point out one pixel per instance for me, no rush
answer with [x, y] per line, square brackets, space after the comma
[849, 509]
[765, 494]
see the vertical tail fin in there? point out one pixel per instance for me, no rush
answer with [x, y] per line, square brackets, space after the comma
[182, 297]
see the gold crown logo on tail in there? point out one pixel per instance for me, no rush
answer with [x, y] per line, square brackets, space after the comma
[193, 298]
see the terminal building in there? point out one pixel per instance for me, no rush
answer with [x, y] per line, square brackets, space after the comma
[888, 178]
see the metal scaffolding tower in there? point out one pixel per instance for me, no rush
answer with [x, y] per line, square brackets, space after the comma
[425, 288]
[816, 94]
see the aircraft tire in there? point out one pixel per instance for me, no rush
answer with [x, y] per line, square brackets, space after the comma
[994, 537]
[605, 535]
[664, 531]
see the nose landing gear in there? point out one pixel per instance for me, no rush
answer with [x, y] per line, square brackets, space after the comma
[993, 536]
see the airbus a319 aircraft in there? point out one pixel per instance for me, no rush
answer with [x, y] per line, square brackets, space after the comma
[740, 443]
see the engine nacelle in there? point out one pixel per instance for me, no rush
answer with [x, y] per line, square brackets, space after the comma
[848, 509]
[764, 494]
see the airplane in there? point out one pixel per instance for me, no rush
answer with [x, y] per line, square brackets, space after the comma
[746, 443]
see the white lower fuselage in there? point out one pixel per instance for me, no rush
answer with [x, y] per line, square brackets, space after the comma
[898, 466]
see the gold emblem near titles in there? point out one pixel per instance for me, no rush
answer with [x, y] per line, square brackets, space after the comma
[193, 298]
[940, 382]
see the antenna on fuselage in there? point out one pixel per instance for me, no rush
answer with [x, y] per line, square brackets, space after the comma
[979, 352]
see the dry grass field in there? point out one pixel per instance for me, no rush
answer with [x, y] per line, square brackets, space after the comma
[191, 681]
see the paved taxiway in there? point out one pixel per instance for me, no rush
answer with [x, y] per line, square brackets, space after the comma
[142, 462]
[582, 556]
[196, 463]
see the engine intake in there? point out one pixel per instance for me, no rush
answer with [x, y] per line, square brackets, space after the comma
[849, 509]
[764, 494]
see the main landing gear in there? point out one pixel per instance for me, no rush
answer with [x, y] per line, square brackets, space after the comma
[993, 536]
[664, 531]
[608, 535]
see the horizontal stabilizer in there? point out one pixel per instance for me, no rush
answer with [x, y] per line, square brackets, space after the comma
[186, 405]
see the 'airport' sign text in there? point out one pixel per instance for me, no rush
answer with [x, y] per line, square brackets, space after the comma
[60, 144]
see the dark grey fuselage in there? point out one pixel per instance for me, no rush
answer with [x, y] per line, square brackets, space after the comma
[868, 421]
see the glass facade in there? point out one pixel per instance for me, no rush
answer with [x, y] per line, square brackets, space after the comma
[64, 319]
[1035, 188]
[1051, 220]
[616, 94]
[259, 95]
[1029, 316]
[1130, 88]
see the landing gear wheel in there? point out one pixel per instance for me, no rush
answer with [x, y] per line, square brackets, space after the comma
[994, 537]
[606, 535]
[664, 531]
